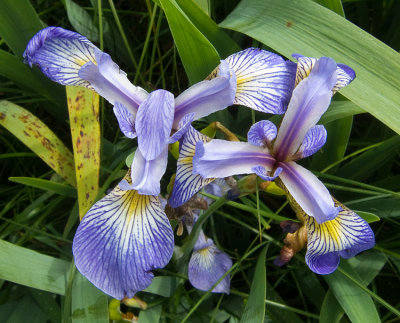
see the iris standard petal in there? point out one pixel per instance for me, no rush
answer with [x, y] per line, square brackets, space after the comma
[60, 54]
[154, 123]
[264, 80]
[207, 96]
[262, 133]
[261, 172]
[126, 120]
[186, 183]
[345, 74]
[309, 101]
[308, 191]
[221, 158]
[120, 240]
[346, 235]
[207, 265]
[146, 174]
[313, 141]
[107, 79]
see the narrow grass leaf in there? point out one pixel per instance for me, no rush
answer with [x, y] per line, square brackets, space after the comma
[307, 28]
[39, 138]
[83, 107]
[81, 20]
[43, 272]
[199, 57]
[255, 307]
[215, 34]
[61, 189]
[357, 304]
[368, 216]
[48, 304]
[331, 311]
[89, 304]
[163, 286]
[340, 109]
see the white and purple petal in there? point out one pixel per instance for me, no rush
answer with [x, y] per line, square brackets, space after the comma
[313, 141]
[345, 74]
[265, 81]
[108, 80]
[308, 191]
[60, 54]
[261, 172]
[146, 174]
[207, 96]
[345, 236]
[154, 123]
[262, 133]
[186, 183]
[121, 239]
[207, 265]
[183, 127]
[309, 101]
[221, 158]
[126, 120]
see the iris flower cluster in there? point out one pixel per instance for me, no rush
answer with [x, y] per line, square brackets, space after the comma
[127, 234]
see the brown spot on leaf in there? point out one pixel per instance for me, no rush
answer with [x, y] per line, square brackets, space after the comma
[289, 24]
[2, 116]
[26, 134]
[87, 196]
[47, 143]
[80, 166]
[81, 133]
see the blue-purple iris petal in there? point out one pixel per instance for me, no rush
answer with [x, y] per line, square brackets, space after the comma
[186, 183]
[323, 264]
[207, 96]
[154, 123]
[262, 133]
[146, 174]
[221, 158]
[309, 101]
[60, 54]
[313, 141]
[345, 76]
[261, 172]
[183, 127]
[120, 240]
[126, 120]
[207, 265]
[264, 80]
[107, 79]
[344, 236]
[308, 191]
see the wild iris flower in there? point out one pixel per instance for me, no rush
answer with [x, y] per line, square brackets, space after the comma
[127, 234]
[270, 153]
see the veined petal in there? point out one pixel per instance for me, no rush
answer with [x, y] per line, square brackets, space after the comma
[309, 101]
[262, 133]
[183, 127]
[154, 123]
[107, 79]
[264, 80]
[308, 191]
[313, 141]
[146, 174]
[60, 54]
[261, 172]
[345, 74]
[346, 235]
[120, 240]
[207, 265]
[186, 183]
[221, 158]
[126, 120]
[207, 96]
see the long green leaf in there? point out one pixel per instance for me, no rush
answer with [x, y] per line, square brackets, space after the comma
[30, 268]
[305, 27]
[255, 307]
[199, 57]
[39, 138]
[46, 185]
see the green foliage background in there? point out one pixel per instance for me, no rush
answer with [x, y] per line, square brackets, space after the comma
[170, 44]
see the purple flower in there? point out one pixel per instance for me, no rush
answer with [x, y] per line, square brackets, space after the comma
[345, 236]
[253, 77]
[270, 153]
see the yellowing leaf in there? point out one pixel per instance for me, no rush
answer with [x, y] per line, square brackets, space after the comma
[83, 107]
[39, 138]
